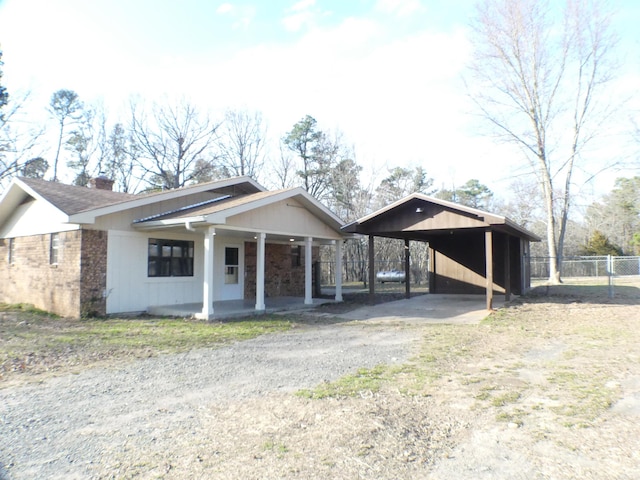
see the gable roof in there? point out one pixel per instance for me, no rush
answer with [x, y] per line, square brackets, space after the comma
[369, 223]
[83, 205]
[72, 199]
[217, 211]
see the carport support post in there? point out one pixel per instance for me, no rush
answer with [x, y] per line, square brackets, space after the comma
[308, 298]
[507, 270]
[372, 273]
[260, 272]
[407, 276]
[488, 246]
[338, 270]
[207, 284]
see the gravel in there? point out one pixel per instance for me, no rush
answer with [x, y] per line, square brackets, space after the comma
[69, 427]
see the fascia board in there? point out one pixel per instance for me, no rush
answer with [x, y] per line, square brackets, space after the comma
[171, 222]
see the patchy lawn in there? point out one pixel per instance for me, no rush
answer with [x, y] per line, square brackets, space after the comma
[34, 343]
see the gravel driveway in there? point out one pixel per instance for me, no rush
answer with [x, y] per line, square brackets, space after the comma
[68, 427]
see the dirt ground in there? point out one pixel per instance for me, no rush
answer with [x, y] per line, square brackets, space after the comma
[548, 390]
[545, 388]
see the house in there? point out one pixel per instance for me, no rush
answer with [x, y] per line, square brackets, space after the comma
[470, 250]
[77, 251]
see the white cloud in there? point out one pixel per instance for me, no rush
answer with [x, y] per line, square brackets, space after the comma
[302, 5]
[300, 15]
[224, 8]
[295, 22]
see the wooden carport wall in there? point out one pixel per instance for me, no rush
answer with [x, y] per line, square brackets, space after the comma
[438, 217]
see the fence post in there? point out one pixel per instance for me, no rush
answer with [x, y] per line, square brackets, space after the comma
[610, 273]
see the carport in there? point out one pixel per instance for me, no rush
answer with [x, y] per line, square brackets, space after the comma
[470, 251]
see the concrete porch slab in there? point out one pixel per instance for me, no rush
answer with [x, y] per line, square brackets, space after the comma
[236, 308]
[430, 308]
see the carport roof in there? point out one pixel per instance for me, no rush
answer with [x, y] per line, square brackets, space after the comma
[420, 217]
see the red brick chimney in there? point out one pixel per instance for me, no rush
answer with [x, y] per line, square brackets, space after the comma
[101, 182]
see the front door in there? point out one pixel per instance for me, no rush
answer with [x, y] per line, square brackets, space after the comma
[233, 272]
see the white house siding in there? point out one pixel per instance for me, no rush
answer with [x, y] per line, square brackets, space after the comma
[288, 217]
[129, 289]
[35, 218]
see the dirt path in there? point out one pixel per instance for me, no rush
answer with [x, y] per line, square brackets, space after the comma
[76, 426]
[542, 390]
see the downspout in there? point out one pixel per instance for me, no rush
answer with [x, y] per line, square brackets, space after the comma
[188, 226]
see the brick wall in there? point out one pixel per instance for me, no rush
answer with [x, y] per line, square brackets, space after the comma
[93, 273]
[281, 278]
[32, 279]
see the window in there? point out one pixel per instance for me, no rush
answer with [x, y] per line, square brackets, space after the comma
[12, 251]
[231, 265]
[54, 249]
[170, 258]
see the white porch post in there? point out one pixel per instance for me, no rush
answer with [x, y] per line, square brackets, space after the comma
[260, 272]
[308, 299]
[207, 283]
[338, 271]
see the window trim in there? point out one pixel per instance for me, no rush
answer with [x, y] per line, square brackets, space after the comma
[55, 244]
[163, 266]
[11, 253]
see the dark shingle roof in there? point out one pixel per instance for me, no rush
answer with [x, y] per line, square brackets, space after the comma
[72, 199]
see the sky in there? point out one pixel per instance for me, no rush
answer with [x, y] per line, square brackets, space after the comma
[387, 74]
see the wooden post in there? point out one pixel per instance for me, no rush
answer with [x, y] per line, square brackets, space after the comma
[488, 246]
[338, 273]
[407, 276]
[507, 269]
[372, 271]
[308, 293]
[260, 269]
[207, 281]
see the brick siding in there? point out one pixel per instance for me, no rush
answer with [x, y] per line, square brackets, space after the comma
[281, 278]
[93, 273]
[71, 288]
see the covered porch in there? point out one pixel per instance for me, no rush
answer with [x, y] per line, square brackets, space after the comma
[244, 242]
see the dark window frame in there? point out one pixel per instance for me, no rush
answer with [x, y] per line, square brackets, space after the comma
[172, 258]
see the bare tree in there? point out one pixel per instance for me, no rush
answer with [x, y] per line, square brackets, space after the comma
[19, 139]
[175, 143]
[66, 108]
[284, 171]
[538, 82]
[242, 143]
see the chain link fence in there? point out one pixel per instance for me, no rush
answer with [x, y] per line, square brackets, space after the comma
[600, 270]
[596, 266]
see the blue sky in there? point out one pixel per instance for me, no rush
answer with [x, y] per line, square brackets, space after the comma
[384, 72]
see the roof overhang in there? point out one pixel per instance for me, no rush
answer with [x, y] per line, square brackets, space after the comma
[367, 225]
[14, 196]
